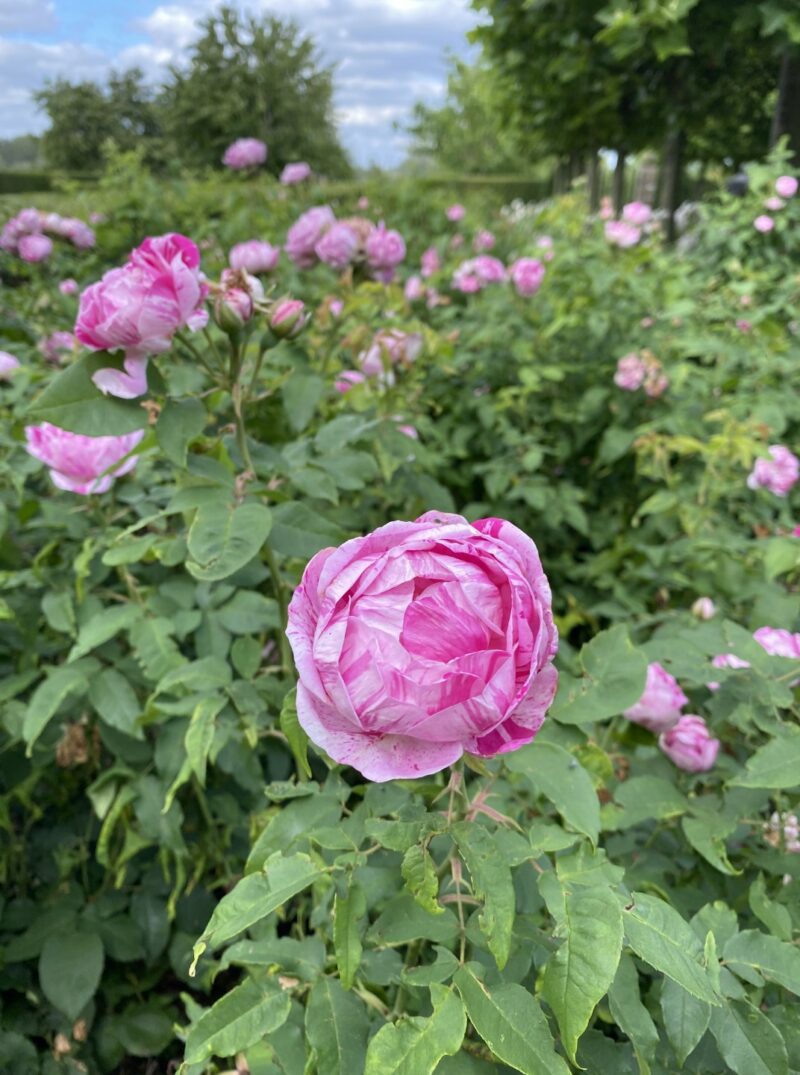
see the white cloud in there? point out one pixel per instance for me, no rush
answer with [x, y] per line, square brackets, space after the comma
[25, 16]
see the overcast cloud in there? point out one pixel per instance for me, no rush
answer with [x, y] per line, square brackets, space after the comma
[388, 53]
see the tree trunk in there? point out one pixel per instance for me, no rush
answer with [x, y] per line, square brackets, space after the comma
[594, 181]
[786, 118]
[618, 192]
[671, 179]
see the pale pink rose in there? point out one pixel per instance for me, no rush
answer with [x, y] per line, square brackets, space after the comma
[704, 608]
[69, 287]
[477, 273]
[454, 213]
[661, 703]
[526, 275]
[690, 745]
[363, 202]
[245, 153]
[421, 641]
[347, 379]
[746, 300]
[430, 262]
[744, 325]
[606, 208]
[78, 463]
[786, 186]
[544, 242]
[414, 289]
[631, 372]
[338, 246]
[774, 204]
[385, 250]
[255, 256]
[57, 345]
[305, 233]
[296, 172]
[35, 248]
[622, 233]
[408, 431]
[484, 240]
[726, 660]
[288, 318]
[8, 363]
[390, 347]
[78, 233]
[777, 474]
[636, 213]
[336, 306]
[778, 642]
[764, 223]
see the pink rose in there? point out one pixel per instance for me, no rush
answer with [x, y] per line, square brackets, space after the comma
[296, 172]
[690, 745]
[636, 213]
[725, 660]
[408, 431]
[390, 347]
[474, 274]
[421, 641]
[34, 248]
[347, 379]
[245, 153]
[8, 363]
[255, 256]
[661, 703]
[786, 186]
[336, 306]
[288, 318]
[778, 642]
[414, 289]
[631, 372]
[622, 233]
[454, 213]
[58, 344]
[430, 262]
[385, 250]
[305, 233]
[338, 246]
[69, 287]
[777, 474]
[138, 309]
[764, 223]
[527, 275]
[78, 463]
[484, 240]
[235, 301]
[774, 204]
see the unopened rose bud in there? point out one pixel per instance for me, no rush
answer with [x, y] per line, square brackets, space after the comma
[288, 318]
[690, 745]
[704, 608]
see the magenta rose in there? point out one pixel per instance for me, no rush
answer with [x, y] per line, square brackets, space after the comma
[661, 703]
[421, 641]
[526, 276]
[305, 233]
[81, 464]
[690, 745]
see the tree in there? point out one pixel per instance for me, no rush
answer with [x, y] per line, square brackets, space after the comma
[23, 151]
[84, 115]
[250, 76]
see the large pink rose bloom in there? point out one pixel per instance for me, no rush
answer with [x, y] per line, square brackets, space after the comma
[622, 233]
[254, 256]
[690, 745]
[786, 186]
[33, 248]
[777, 474]
[421, 641]
[77, 462]
[296, 172]
[139, 308]
[636, 213]
[660, 706]
[385, 250]
[305, 233]
[338, 246]
[245, 153]
[526, 276]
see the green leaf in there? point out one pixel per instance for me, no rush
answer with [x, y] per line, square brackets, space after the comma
[239, 1019]
[441, 970]
[561, 778]
[154, 647]
[114, 699]
[295, 735]
[491, 882]
[614, 679]
[685, 1018]
[301, 394]
[580, 971]
[774, 765]
[220, 542]
[348, 910]
[774, 915]
[180, 421]
[633, 1019]
[706, 834]
[143, 1031]
[71, 401]
[642, 798]
[769, 956]
[337, 1026]
[419, 874]
[195, 677]
[659, 936]
[200, 734]
[59, 611]
[63, 682]
[299, 531]
[70, 968]
[403, 920]
[512, 1024]
[415, 1045]
[249, 613]
[254, 897]
[102, 627]
[748, 1042]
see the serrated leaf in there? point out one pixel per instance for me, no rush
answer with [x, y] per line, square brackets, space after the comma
[614, 679]
[511, 1023]
[295, 735]
[102, 627]
[419, 875]
[685, 1018]
[155, 648]
[238, 1020]
[222, 541]
[561, 778]
[415, 1045]
[200, 734]
[769, 956]
[633, 1019]
[66, 681]
[774, 765]
[491, 882]
[774, 915]
[348, 910]
[706, 834]
[114, 699]
[337, 1025]
[748, 1042]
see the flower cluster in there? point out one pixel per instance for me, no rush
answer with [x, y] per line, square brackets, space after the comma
[641, 369]
[683, 737]
[27, 234]
[318, 236]
[477, 273]
[245, 153]
[778, 473]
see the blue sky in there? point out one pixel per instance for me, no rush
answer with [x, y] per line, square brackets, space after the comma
[389, 53]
